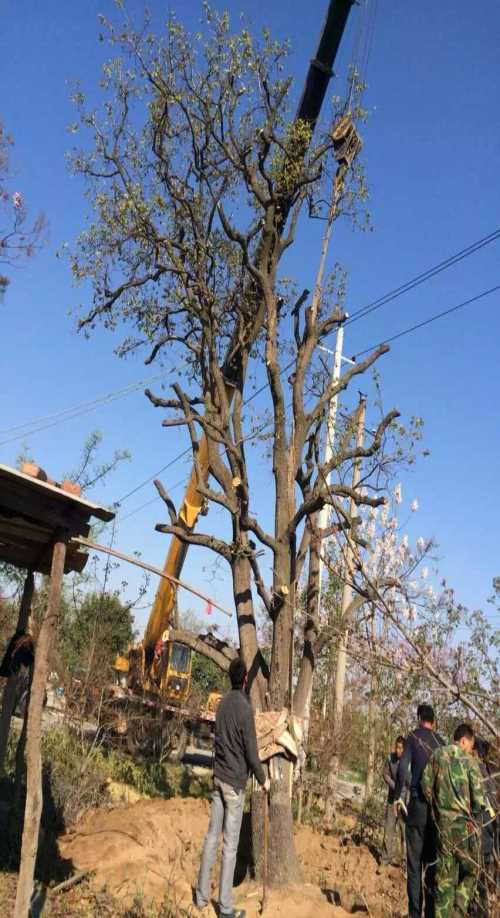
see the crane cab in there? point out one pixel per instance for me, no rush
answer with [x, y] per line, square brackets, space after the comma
[167, 672]
[175, 684]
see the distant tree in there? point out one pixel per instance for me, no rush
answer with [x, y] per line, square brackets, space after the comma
[8, 615]
[207, 676]
[18, 240]
[89, 471]
[92, 634]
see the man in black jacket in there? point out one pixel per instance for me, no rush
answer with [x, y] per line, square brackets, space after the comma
[394, 823]
[236, 755]
[421, 851]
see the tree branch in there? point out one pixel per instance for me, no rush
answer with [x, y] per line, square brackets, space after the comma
[222, 657]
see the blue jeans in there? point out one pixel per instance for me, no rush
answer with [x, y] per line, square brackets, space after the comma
[225, 816]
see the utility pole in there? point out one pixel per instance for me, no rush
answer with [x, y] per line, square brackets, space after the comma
[324, 514]
[347, 597]
[372, 734]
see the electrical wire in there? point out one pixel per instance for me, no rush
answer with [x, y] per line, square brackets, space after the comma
[371, 16]
[85, 407]
[423, 276]
[152, 477]
[355, 64]
[148, 503]
[68, 414]
[359, 313]
[401, 334]
[438, 315]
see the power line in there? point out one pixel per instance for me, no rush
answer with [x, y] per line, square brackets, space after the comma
[152, 500]
[359, 313]
[82, 405]
[59, 417]
[401, 334]
[407, 331]
[439, 315]
[76, 411]
[424, 276]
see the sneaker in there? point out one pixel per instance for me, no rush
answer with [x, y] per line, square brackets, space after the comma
[202, 910]
[236, 913]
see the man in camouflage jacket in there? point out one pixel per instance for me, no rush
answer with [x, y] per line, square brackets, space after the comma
[452, 784]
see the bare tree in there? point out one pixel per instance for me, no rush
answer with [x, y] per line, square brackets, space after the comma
[412, 625]
[18, 240]
[196, 209]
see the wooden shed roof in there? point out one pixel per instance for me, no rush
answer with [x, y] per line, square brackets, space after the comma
[32, 512]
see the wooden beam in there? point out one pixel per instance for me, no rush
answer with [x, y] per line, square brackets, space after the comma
[42, 509]
[153, 570]
[16, 527]
[29, 558]
[14, 479]
[222, 657]
[34, 800]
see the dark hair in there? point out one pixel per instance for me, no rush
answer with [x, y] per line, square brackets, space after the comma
[237, 673]
[482, 747]
[425, 713]
[461, 731]
[400, 739]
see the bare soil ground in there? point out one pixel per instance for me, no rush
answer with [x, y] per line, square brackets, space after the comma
[149, 851]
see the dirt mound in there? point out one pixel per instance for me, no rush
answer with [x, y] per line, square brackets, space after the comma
[148, 849]
[151, 849]
[347, 874]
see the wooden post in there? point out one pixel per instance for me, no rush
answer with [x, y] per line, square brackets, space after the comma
[33, 810]
[342, 647]
[9, 693]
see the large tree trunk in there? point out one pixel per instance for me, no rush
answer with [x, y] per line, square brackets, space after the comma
[33, 810]
[283, 862]
[283, 865]
[303, 691]
[372, 739]
[249, 648]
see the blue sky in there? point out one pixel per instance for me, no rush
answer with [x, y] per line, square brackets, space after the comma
[431, 153]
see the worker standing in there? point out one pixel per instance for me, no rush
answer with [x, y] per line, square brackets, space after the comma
[394, 822]
[452, 785]
[489, 823]
[420, 830]
[236, 755]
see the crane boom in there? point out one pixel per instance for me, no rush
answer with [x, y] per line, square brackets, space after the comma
[316, 83]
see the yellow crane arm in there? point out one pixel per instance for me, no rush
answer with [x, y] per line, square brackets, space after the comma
[161, 612]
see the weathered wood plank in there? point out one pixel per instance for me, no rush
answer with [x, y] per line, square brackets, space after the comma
[10, 476]
[33, 809]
